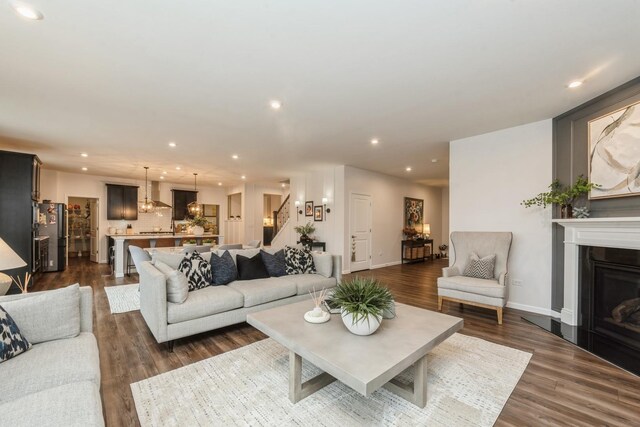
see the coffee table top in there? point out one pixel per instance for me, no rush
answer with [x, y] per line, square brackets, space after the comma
[364, 363]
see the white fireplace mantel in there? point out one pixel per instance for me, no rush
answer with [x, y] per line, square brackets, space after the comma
[603, 232]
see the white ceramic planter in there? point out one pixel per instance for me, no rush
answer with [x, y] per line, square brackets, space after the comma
[363, 326]
[196, 230]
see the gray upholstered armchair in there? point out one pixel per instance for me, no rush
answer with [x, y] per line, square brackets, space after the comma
[488, 293]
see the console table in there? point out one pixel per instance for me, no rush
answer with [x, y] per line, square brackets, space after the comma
[415, 250]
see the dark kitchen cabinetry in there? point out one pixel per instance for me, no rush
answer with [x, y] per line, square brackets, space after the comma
[19, 184]
[122, 202]
[181, 198]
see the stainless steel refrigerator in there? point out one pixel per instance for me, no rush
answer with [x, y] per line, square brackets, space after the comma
[53, 223]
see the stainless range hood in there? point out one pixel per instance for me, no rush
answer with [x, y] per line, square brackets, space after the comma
[155, 196]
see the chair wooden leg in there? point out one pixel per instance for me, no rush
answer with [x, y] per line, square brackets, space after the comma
[499, 311]
[439, 303]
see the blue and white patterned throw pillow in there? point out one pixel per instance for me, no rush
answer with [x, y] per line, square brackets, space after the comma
[12, 343]
[298, 261]
[197, 270]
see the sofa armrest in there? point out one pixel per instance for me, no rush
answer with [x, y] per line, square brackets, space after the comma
[153, 300]
[502, 279]
[337, 268]
[450, 271]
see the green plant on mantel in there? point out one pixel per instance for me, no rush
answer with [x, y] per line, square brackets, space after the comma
[305, 230]
[362, 297]
[561, 195]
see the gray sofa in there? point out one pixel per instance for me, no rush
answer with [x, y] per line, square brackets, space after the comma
[214, 307]
[57, 382]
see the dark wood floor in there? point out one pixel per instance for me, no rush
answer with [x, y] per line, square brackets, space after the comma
[563, 385]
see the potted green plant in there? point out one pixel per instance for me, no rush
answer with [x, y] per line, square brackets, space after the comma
[561, 195]
[207, 242]
[362, 302]
[197, 224]
[305, 231]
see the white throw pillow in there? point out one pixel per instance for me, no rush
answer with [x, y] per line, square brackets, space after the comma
[323, 262]
[172, 260]
[47, 316]
[177, 283]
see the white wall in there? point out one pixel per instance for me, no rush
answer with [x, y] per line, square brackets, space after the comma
[490, 175]
[445, 218]
[388, 193]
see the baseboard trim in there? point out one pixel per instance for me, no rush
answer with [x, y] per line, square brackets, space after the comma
[532, 309]
[386, 264]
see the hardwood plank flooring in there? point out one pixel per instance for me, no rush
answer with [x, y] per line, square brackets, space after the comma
[563, 384]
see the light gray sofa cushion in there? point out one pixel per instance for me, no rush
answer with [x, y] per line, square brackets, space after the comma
[260, 291]
[473, 285]
[305, 283]
[205, 302]
[323, 261]
[177, 283]
[50, 364]
[172, 260]
[69, 405]
[47, 316]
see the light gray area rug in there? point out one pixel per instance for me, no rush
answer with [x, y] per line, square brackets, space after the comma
[123, 298]
[469, 381]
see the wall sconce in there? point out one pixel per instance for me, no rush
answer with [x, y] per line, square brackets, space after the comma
[324, 202]
[298, 210]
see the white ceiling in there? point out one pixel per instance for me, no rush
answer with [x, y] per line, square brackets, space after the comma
[119, 80]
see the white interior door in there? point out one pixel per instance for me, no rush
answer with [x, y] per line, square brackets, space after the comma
[95, 230]
[360, 227]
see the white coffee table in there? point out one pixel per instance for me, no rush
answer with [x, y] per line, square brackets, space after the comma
[364, 363]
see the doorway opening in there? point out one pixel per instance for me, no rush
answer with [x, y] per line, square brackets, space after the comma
[84, 227]
[360, 227]
[270, 205]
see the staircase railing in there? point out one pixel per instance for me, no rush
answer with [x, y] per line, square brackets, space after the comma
[281, 216]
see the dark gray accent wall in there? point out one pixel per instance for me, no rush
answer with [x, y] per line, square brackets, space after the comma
[570, 154]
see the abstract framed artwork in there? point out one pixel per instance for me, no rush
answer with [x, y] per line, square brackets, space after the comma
[413, 212]
[614, 153]
[308, 209]
[317, 213]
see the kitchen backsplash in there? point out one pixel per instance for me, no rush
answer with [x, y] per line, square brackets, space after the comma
[146, 221]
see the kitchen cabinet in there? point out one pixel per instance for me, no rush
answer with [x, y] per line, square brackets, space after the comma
[181, 198]
[36, 165]
[122, 202]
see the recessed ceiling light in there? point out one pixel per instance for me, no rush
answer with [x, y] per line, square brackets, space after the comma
[243, 177]
[84, 154]
[164, 172]
[275, 104]
[27, 11]
[408, 169]
[161, 177]
[575, 84]
[434, 160]
[283, 185]
[85, 169]
[178, 168]
[375, 141]
[219, 183]
[234, 157]
[172, 144]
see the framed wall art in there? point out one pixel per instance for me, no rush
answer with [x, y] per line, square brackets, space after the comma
[318, 213]
[308, 209]
[413, 212]
[614, 153]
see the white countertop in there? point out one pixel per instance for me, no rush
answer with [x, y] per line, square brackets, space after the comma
[161, 236]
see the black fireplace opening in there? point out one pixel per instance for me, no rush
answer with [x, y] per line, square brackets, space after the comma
[610, 303]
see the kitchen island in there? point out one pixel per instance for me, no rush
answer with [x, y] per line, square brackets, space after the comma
[121, 242]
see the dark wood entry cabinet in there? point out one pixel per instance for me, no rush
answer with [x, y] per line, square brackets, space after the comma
[122, 202]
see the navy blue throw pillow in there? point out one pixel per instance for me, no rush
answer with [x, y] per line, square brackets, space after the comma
[223, 269]
[251, 268]
[274, 263]
[12, 343]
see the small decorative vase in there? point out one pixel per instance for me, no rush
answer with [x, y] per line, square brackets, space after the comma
[365, 326]
[566, 211]
[197, 230]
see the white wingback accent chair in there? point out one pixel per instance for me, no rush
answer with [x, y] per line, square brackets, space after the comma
[487, 293]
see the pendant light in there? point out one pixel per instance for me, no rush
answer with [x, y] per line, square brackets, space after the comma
[147, 205]
[195, 209]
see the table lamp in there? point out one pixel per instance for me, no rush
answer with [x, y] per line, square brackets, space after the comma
[10, 260]
[426, 230]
